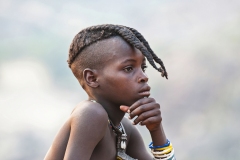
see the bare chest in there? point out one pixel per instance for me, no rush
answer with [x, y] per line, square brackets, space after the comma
[106, 148]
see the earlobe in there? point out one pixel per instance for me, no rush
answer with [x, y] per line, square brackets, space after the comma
[90, 77]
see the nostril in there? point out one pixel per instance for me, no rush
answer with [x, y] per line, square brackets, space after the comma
[143, 79]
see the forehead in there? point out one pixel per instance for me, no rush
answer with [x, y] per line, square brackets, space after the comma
[118, 49]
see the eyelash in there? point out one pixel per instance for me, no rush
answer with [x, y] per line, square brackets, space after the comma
[144, 67]
[129, 68]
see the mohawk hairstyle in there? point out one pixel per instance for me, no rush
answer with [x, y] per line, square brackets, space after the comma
[93, 34]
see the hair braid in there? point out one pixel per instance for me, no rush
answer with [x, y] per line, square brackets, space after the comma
[83, 39]
[93, 34]
[127, 35]
[145, 43]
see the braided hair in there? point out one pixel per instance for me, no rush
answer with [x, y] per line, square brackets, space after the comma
[91, 35]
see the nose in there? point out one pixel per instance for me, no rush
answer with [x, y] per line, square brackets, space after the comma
[143, 78]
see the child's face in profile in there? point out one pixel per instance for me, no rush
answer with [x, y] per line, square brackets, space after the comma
[123, 79]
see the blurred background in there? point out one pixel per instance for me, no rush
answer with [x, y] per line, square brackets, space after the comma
[198, 41]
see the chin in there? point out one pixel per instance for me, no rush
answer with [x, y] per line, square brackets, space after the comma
[130, 102]
[133, 101]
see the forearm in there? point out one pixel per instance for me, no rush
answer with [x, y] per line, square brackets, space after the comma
[161, 148]
[158, 136]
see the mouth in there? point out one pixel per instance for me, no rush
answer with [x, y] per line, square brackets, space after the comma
[145, 91]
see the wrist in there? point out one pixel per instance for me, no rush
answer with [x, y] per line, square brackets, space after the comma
[158, 136]
[155, 129]
[165, 151]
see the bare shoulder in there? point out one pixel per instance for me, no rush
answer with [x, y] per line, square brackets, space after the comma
[83, 130]
[89, 117]
[89, 111]
[88, 124]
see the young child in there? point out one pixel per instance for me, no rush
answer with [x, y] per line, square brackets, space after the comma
[109, 61]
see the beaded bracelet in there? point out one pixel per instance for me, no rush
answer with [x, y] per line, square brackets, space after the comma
[163, 152]
[155, 147]
[157, 155]
[161, 149]
[166, 151]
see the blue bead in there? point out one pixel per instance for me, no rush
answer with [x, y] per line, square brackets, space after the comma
[155, 147]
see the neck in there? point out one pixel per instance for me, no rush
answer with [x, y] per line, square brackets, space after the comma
[113, 111]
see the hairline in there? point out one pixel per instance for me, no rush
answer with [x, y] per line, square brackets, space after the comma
[95, 51]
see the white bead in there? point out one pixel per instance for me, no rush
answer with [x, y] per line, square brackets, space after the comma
[123, 145]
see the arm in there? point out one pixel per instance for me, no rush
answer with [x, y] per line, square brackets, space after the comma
[135, 146]
[88, 126]
[148, 114]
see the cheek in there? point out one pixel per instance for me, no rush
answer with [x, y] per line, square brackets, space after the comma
[119, 81]
[114, 82]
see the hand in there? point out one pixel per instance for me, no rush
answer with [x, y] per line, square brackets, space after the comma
[148, 112]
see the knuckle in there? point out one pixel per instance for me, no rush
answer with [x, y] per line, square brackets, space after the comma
[150, 120]
[143, 116]
[160, 118]
[138, 103]
[152, 99]
[141, 108]
[158, 112]
[130, 114]
[157, 105]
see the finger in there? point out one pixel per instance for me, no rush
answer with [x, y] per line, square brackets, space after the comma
[146, 115]
[143, 108]
[140, 102]
[124, 108]
[151, 120]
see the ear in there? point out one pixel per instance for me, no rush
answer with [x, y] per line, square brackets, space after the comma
[90, 77]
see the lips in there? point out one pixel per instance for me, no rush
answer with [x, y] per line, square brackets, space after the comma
[145, 91]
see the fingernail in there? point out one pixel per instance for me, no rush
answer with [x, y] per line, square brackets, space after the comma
[128, 111]
[129, 117]
[133, 123]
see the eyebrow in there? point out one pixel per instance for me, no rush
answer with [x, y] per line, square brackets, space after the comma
[132, 60]
[128, 60]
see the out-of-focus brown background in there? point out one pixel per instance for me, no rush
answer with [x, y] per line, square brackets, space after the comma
[199, 42]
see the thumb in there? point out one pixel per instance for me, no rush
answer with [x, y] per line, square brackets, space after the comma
[124, 108]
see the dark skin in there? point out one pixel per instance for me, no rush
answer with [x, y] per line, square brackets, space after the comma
[120, 87]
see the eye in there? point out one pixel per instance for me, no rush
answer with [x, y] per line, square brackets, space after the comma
[144, 67]
[128, 69]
